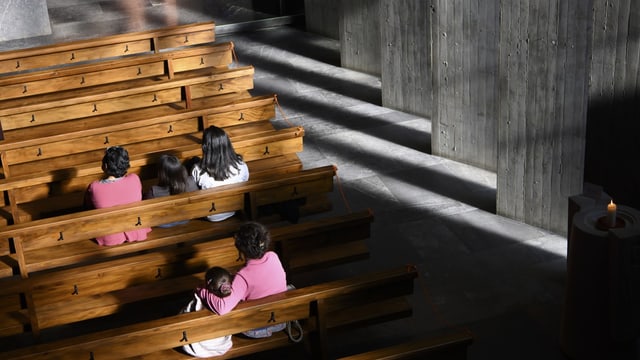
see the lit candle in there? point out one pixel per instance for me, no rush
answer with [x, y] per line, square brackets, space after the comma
[611, 214]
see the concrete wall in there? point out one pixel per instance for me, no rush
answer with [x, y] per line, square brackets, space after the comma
[465, 73]
[545, 49]
[505, 83]
[614, 101]
[360, 33]
[406, 56]
[322, 17]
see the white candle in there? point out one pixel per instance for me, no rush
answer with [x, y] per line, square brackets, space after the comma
[611, 214]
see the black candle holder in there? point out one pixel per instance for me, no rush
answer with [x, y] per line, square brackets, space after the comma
[603, 223]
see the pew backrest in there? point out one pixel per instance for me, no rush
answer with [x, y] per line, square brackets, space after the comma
[154, 65]
[106, 47]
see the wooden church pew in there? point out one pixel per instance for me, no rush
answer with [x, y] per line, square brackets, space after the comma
[66, 195]
[65, 109]
[85, 292]
[152, 65]
[106, 47]
[40, 252]
[14, 315]
[120, 129]
[7, 261]
[38, 179]
[39, 80]
[221, 110]
[314, 305]
[446, 347]
[24, 161]
[68, 235]
[121, 96]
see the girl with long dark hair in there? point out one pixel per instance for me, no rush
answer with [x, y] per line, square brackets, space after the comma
[219, 165]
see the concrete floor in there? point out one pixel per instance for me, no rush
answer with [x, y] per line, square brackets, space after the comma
[500, 279]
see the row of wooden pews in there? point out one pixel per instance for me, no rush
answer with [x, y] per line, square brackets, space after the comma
[154, 92]
[91, 288]
[321, 308]
[54, 141]
[34, 243]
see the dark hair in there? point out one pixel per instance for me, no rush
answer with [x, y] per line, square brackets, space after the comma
[218, 155]
[218, 281]
[252, 240]
[115, 161]
[172, 174]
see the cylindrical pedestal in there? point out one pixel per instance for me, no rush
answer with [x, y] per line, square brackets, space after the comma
[596, 273]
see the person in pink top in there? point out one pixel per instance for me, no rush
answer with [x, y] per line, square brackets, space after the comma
[261, 276]
[116, 188]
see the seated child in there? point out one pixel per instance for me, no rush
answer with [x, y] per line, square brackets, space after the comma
[172, 179]
[219, 165]
[218, 281]
[116, 188]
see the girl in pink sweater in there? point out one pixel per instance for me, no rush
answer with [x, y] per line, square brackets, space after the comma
[116, 188]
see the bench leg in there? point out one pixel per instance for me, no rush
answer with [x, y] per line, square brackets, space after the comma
[318, 336]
